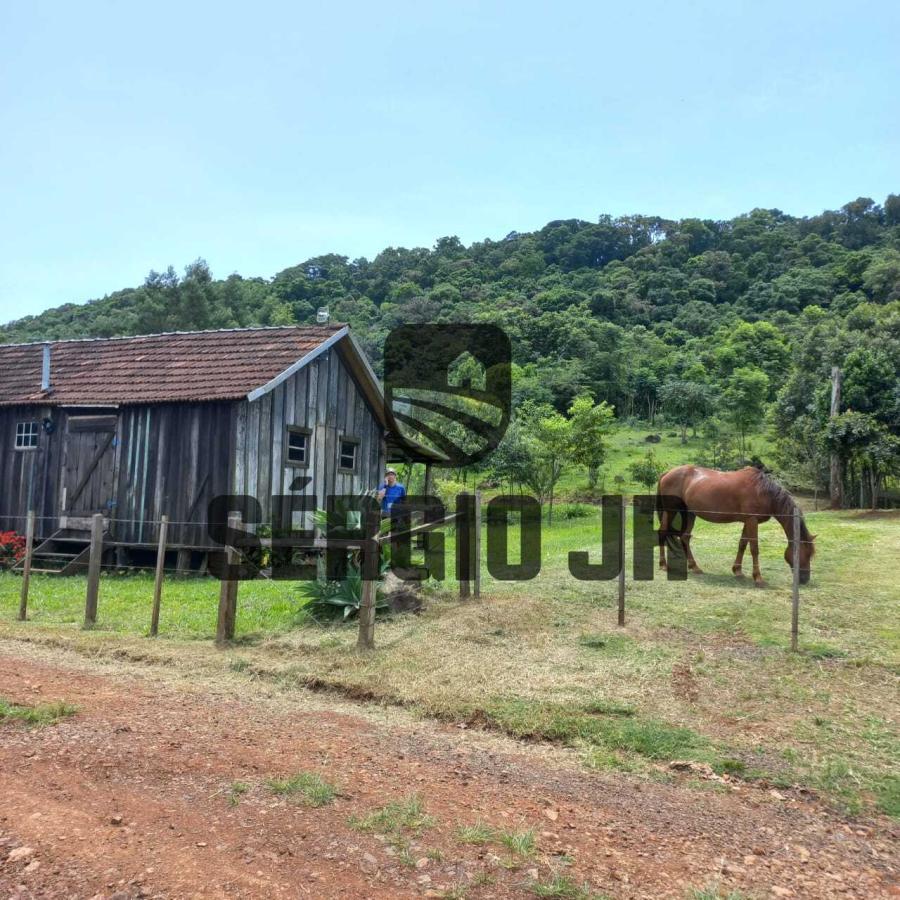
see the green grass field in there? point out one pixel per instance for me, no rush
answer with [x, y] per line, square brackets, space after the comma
[628, 443]
[701, 671]
[625, 445]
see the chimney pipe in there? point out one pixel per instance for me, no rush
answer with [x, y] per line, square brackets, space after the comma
[45, 369]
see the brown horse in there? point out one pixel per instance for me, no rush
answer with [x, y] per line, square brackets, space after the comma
[748, 495]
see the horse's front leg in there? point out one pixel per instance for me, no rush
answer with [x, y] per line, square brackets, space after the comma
[752, 528]
[739, 559]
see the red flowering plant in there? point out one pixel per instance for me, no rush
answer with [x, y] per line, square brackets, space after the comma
[12, 548]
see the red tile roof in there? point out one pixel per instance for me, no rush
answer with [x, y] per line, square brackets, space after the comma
[183, 366]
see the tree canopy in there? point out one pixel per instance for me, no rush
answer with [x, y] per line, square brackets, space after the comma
[624, 310]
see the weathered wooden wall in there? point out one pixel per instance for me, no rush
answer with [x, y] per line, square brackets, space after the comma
[173, 458]
[169, 459]
[28, 478]
[324, 397]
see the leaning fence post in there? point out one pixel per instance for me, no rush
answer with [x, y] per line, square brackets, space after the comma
[228, 591]
[93, 578]
[622, 562]
[26, 567]
[795, 598]
[158, 583]
[476, 562]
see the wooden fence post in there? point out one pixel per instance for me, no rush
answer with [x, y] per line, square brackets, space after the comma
[464, 545]
[228, 593]
[26, 567]
[158, 584]
[476, 561]
[795, 598]
[365, 639]
[622, 533]
[93, 578]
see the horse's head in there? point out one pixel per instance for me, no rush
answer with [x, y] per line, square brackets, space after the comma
[807, 550]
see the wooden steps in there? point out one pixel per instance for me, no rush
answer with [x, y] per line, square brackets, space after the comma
[66, 552]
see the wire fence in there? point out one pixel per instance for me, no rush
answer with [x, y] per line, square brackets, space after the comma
[112, 520]
[94, 560]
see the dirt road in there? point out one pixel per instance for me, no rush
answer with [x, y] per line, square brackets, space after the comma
[132, 797]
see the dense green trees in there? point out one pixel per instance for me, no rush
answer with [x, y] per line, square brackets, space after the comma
[647, 315]
[865, 344]
[687, 403]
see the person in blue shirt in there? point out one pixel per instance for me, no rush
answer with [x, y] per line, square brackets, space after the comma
[390, 491]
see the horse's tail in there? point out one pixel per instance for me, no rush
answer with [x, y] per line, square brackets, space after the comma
[673, 540]
[671, 535]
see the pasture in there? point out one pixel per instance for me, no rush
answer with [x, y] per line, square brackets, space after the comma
[628, 443]
[700, 673]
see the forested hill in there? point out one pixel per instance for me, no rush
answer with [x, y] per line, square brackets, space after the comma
[619, 308]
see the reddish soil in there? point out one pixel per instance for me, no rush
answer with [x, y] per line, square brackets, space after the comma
[130, 798]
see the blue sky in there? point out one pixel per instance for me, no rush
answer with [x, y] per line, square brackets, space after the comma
[257, 135]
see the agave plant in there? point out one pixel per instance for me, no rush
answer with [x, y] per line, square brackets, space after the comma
[329, 599]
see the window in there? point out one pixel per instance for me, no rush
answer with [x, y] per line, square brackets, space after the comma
[347, 460]
[297, 446]
[26, 435]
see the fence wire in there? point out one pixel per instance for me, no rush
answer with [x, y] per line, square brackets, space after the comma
[710, 547]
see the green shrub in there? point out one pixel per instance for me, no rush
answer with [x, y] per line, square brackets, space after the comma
[575, 511]
[646, 470]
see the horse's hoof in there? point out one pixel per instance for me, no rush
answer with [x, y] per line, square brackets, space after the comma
[759, 582]
[697, 570]
[663, 567]
[736, 571]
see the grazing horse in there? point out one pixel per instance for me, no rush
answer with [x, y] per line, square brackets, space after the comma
[748, 495]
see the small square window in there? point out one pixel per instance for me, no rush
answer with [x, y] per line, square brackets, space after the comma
[347, 461]
[27, 435]
[297, 447]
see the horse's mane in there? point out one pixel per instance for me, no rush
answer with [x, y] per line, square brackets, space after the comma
[782, 501]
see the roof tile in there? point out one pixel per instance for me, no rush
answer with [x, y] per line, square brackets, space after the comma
[177, 367]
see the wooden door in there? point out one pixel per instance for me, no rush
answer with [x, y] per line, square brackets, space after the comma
[89, 466]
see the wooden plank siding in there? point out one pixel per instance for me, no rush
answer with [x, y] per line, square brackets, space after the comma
[325, 398]
[175, 459]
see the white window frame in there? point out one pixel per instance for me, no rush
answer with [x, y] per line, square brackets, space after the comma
[28, 435]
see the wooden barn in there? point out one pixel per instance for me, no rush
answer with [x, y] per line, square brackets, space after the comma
[140, 427]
